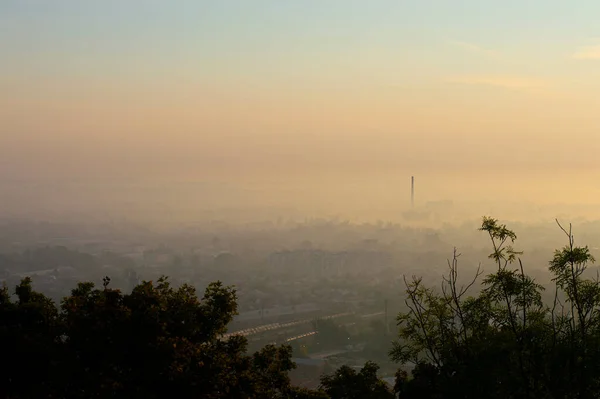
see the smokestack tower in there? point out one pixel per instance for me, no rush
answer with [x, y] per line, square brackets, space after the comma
[412, 191]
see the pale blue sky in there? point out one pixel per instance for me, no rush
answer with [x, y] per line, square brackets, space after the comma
[196, 30]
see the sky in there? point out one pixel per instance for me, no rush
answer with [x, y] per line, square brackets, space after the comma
[333, 98]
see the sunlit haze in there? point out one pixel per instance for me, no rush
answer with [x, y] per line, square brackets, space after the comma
[320, 106]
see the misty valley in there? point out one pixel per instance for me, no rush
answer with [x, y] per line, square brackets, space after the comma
[366, 300]
[299, 199]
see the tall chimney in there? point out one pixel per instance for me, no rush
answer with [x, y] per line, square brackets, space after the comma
[412, 191]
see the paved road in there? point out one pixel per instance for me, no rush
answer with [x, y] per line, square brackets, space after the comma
[276, 326]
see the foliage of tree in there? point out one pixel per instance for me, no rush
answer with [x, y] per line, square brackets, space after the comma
[347, 383]
[155, 342]
[503, 342]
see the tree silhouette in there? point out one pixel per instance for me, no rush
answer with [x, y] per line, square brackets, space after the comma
[503, 342]
[348, 384]
[155, 342]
